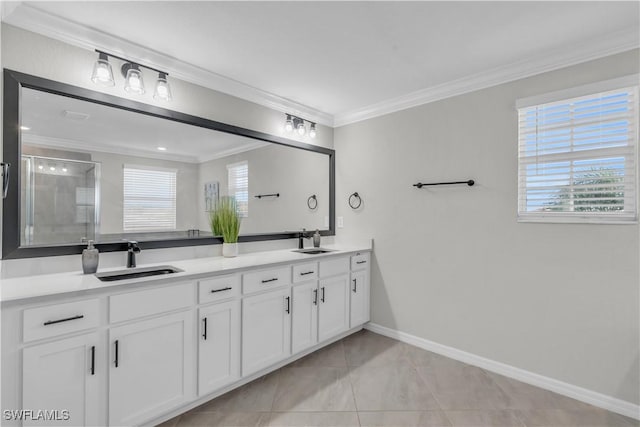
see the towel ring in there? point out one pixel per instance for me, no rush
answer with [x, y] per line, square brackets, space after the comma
[312, 202]
[355, 200]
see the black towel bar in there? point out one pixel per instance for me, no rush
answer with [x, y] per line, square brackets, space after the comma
[469, 183]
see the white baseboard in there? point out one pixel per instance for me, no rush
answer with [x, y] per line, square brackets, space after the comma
[582, 394]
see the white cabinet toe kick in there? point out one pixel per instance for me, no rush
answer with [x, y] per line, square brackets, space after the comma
[144, 355]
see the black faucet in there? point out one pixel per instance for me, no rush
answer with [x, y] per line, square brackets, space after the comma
[302, 235]
[132, 250]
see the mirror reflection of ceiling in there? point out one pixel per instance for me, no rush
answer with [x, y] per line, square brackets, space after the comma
[63, 122]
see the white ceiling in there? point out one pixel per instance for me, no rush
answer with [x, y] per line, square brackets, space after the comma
[134, 134]
[344, 58]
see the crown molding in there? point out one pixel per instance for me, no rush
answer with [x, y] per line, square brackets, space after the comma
[35, 20]
[617, 42]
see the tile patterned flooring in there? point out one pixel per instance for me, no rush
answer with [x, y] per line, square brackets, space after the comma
[367, 379]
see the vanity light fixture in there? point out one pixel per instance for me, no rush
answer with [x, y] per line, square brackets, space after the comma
[102, 72]
[163, 90]
[133, 78]
[133, 82]
[294, 122]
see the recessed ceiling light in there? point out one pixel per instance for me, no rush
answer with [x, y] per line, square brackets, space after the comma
[162, 148]
[25, 128]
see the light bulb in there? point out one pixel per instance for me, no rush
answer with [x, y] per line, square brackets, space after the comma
[288, 125]
[102, 72]
[163, 90]
[64, 169]
[52, 168]
[312, 130]
[133, 80]
[301, 129]
[40, 167]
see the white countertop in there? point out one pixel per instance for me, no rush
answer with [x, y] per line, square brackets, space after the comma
[22, 288]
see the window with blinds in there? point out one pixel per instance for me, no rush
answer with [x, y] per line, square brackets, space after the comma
[149, 199]
[238, 178]
[578, 156]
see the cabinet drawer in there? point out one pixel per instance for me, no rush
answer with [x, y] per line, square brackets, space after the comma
[148, 302]
[266, 279]
[218, 288]
[333, 267]
[58, 319]
[304, 272]
[360, 261]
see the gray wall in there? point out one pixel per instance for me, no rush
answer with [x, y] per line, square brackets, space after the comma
[295, 174]
[453, 266]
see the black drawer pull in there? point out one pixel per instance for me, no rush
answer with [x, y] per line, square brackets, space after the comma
[307, 272]
[93, 360]
[360, 262]
[115, 362]
[288, 310]
[204, 333]
[322, 297]
[270, 280]
[355, 285]
[213, 291]
[315, 297]
[53, 322]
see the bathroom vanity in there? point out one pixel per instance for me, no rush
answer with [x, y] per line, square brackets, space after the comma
[140, 351]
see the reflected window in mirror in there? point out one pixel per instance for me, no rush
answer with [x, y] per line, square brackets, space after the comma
[149, 199]
[238, 182]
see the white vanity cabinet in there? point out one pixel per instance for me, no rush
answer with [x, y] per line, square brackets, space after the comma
[151, 361]
[333, 298]
[360, 289]
[218, 346]
[266, 329]
[64, 374]
[141, 352]
[304, 316]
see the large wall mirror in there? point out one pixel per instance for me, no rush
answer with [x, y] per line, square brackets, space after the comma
[86, 165]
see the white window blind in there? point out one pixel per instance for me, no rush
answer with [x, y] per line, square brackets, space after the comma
[149, 199]
[578, 158]
[238, 175]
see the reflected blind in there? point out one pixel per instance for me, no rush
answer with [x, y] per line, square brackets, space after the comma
[149, 199]
[578, 158]
[238, 175]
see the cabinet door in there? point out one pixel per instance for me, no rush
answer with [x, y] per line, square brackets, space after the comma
[266, 330]
[219, 348]
[151, 366]
[359, 297]
[333, 312]
[63, 375]
[304, 316]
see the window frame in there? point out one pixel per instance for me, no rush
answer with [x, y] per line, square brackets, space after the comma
[630, 81]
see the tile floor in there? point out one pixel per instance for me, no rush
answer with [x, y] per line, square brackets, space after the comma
[367, 379]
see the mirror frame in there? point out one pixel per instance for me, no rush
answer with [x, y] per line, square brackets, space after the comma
[14, 81]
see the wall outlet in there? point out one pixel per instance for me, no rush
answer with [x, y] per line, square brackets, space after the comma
[340, 222]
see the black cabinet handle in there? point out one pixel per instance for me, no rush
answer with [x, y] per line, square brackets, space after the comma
[270, 280]
[315, 297]
[355, 285]
[213, 291]
[307, 272]
[288, 310]
[204, 333]
[322, 297]
[53, 322]
[93, 360]
[360, 262]
[116, 360]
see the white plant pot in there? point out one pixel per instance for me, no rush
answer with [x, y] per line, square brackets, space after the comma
[229, 250]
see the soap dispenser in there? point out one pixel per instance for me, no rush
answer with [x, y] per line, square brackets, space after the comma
[316, 239]
[90, 258]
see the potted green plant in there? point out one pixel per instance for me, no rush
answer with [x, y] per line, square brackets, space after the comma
[224, 220]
